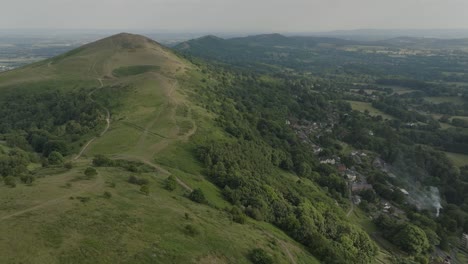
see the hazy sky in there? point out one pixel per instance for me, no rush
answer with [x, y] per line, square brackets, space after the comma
[233, 15]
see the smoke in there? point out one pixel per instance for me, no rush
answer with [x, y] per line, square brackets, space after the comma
[435, 197]
[427, 198]
[411, 177]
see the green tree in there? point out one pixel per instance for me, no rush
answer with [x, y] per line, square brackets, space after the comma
[198, 196]
[55, 158]
[411, 239]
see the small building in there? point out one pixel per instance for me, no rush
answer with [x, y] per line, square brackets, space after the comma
[328, 161]
[341, 168]
[358, 187]
[405, 192]
[464, 241]
[350, 175]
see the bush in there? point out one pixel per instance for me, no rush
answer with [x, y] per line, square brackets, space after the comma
[260, 256]
[170, 183]
[10, 181]
[138, 181]
[237, 215]
[191, 230]
[27, 179]
[102, 161]
[68, 165]
[197, 196]
[107, 195]
[145, 189]
[90, 172]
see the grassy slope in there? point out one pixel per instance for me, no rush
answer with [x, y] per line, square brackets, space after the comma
[41, 224]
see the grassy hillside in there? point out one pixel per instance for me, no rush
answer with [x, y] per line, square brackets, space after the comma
[146, 117]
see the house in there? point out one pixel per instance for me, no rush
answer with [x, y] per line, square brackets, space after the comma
[350, 175]
[342, 168]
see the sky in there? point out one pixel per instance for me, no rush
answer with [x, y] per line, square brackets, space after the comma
[233, 15]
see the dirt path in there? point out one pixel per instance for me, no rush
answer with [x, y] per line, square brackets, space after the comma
[352, 203]
[108, 121]
[98, 182]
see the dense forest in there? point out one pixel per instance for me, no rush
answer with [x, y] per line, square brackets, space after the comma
[43, 127]
[288, 121]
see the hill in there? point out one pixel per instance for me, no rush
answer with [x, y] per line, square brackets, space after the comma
[98, 157]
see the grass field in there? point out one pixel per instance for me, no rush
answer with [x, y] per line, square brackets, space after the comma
[398, 89]
[445, 99]
[458, 160]
[363, 106]
[62, 218]
[127, 228]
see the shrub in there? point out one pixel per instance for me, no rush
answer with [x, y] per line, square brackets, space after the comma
[10, 181]
[27, 179]
[145, 189]
[260, 256]
[191, 230]
[83, 199]
[68, 165]
[107, 195]
[237, 215]
[90, 172]
[197, 196]
[138, 181]
[102, 161]
[170, 183]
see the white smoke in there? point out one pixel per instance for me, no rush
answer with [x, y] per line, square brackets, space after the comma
[426, 199]
[435, 197]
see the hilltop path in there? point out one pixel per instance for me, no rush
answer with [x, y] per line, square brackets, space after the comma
[108, 121]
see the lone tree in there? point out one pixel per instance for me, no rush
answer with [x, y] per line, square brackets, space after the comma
[145, 189]
[197, 196]
[170, 183]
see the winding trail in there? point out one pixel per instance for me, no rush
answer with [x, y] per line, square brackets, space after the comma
[352, 203]
[350, 209]
[108, 121]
